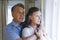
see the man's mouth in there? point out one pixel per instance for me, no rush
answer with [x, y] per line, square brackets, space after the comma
[21, 19]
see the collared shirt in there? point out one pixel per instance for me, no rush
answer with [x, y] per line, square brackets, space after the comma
[12, 31]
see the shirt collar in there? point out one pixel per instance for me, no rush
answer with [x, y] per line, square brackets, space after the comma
[30, 27]
[15, 24]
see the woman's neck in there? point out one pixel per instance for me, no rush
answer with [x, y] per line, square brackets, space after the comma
[33, 25]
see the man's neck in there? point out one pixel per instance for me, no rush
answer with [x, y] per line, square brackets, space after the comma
[16, 21]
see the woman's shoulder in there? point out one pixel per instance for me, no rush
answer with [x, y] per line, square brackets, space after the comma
[27, 32]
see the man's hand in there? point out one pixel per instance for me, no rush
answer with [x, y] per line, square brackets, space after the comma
[19, 39]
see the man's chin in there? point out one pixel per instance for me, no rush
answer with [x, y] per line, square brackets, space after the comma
[21, 20]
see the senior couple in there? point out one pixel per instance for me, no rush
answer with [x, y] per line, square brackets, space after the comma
[30, 29]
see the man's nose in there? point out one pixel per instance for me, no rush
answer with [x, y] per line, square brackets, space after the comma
[22, 15]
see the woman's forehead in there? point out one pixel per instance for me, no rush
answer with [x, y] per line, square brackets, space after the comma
[37, 13]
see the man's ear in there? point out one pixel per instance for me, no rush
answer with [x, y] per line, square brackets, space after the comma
[12, 14]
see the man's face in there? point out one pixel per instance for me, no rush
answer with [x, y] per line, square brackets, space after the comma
[18, 14]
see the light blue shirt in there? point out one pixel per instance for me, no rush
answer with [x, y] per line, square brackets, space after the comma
[12, 31]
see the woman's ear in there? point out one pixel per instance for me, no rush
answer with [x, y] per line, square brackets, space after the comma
[30, 17]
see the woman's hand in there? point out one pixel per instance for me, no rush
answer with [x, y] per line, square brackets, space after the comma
[37, 34]
[44, 33]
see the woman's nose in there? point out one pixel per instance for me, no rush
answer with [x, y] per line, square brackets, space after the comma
[39, 17]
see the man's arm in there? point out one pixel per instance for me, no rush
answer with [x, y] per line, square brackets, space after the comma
[10, 35]
[33, 37]
[19, 39]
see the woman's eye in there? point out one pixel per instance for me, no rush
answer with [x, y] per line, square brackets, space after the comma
[36, 16]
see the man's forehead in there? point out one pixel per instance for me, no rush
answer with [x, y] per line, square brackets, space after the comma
[19, 8]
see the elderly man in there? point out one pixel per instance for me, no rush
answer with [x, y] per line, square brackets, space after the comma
[12, 30]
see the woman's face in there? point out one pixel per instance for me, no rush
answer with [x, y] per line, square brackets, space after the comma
[36, 17]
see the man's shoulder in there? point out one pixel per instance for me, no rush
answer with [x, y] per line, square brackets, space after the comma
[8, 26]
[10, 32]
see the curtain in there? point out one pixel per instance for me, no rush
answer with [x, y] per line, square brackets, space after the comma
[3, 16]
[52, 18]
